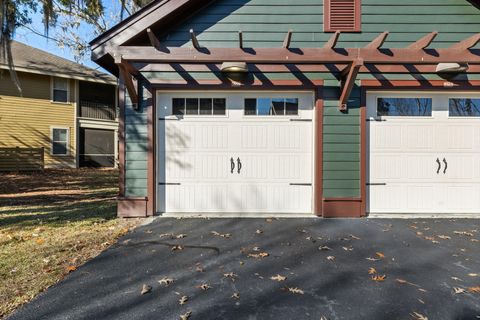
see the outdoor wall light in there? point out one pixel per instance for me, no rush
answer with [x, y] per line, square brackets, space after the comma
[451, 67]
[234, 67]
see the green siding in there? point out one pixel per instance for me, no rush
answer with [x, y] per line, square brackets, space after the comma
[264, 24]
[135, 148]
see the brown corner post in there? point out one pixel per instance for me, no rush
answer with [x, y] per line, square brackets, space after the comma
[121, 138]
[150, 108]
[318, 138]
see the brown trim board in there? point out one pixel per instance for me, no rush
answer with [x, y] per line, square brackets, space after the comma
[132, 207]
[121, 138]
[151, 102]
[318, 155]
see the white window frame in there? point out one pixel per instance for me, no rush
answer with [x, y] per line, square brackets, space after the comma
[52, 88]
[67, 141]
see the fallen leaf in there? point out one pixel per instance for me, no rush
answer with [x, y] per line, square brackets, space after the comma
[401, 281]
[331, 258]
[258, 255]
[204, 287]
[183, 300]
[380, 255]
[324, 248]
[354, 237]
[473, 274]
[236, 296]
[166, 281]
[372, 271]
[418, 316]
[474, 289]
[71, 268]
[181, 236]
[348, 248]
[458, 290]
[256, 248]
[422, 290]
[230, 275]
[177, 248]
[444, 237]
[379, 278]
[456, 279]
[164, 235]
[258, 231]
[278, 278]
[186, 315]
[463, 233]
[269, 220]
[372, 259]
[199, 269]
[295, 290]
[40, 241]
[225, 235]
[475, 240]
[421, 301]
[145, 289]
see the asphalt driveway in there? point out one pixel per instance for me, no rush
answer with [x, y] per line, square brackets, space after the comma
[277, 269]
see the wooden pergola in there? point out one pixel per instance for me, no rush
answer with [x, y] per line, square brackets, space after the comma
[372, 54]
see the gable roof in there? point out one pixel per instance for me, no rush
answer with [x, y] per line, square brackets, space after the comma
[33, 60]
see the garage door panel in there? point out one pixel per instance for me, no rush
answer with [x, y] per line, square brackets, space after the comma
[435, 168]
[268, 152]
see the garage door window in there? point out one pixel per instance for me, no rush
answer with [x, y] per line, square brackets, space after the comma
[404, 107]
[271, 106]
[199, 106]
[464, 107]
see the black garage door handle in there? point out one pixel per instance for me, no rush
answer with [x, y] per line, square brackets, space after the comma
[239, 165]
[232, 165]
[439, 166]
[446, 165]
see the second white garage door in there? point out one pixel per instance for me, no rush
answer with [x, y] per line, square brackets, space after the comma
[424, 153]
[234, 152]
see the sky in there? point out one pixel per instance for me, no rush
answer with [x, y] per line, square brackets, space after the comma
[28, 37]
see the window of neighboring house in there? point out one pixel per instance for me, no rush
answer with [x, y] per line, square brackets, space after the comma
[342, 15]
[60, 141]
[60, 90]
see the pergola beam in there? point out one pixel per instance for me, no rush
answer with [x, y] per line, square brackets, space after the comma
[467, 43]
[348, 83]
[155, 42]
[300, 56]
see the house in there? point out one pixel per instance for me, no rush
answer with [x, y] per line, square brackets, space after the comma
[64, 107]
[334, 108]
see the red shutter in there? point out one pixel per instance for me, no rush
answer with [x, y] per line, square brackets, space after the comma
[342, 15]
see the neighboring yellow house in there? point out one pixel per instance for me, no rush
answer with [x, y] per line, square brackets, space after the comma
[64, 107]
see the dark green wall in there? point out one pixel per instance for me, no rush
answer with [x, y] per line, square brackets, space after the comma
[264, 24]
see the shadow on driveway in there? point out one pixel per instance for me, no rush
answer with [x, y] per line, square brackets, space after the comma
[424, 260]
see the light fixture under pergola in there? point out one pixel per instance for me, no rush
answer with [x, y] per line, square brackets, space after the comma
[371, 54]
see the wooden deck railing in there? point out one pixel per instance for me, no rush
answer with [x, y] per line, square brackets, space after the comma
[95, 110]
[21, 159]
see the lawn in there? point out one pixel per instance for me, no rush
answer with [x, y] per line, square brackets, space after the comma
[50, 223]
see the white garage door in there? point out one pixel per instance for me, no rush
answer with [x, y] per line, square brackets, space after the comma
[424, 153]
[235, 152]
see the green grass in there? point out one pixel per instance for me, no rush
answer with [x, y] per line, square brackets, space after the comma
[50, 223]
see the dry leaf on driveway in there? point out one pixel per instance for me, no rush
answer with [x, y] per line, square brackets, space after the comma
[183, 300]
[186, 315]
[444, 237]
[177, 248]
[372, 259]
[380, 255]
[166, 281]
[474, 289]
[294, 290]
[331, 258]
[324, 248]
[258, 231]
[458, 290]
[71, 269]
[235, 295]
[146, 289]
[258, 255]
[473, 274]
[463, 233]
[230, 275]
[204, 287]
[372, 271]
[379, 278]
[278, 278]
[418, 316]
[222, 235]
